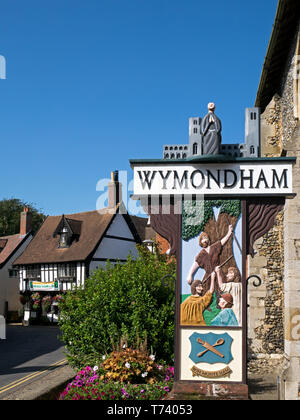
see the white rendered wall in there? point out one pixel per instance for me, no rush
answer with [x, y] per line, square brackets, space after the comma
[113, 248]
[9, 287]
[120, 228]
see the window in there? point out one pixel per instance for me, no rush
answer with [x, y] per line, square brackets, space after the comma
[33, 272]
[195, 149]
[253, 115]
[195, 131]
[66, 270]
[64, 241]
[252, 150]
[12, 273]
[195, 122]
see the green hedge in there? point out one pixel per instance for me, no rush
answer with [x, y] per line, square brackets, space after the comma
[123, 300]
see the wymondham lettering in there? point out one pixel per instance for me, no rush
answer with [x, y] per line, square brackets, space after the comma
[194, 180]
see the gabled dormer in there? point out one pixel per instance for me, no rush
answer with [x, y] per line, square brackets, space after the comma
[68, 231]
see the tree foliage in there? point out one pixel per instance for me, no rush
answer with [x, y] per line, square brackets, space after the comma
[10, 210]
[129, 300]
[196, 213]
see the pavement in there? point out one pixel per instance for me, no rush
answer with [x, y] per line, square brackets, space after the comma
[33, 367]
[263, 387]
[46, 387]
[28, 355]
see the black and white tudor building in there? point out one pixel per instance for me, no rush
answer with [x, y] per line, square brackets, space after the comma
[68, 248]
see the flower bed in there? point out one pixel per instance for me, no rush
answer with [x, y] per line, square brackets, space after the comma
[89, 385]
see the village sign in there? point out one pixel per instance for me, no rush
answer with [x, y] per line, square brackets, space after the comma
[211, 208]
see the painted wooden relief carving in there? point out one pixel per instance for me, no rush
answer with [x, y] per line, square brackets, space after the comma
[211, 289]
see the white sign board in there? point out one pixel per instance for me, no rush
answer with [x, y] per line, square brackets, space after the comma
[42, 286]
[257, 178]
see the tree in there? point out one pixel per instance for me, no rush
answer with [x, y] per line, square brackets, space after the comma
[126, 300]
[198, 216]
[10, 210]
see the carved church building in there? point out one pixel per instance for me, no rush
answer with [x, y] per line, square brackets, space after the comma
[250, 148]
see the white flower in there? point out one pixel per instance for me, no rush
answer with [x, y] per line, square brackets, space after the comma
[152, 357]
[143, 375]
[124, 346]
[103, 357]
[95, 368]
[127, 365]
[159, 367]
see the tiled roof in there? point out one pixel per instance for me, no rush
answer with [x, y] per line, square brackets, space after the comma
[141, 224]
[11, 243]
[44, 247]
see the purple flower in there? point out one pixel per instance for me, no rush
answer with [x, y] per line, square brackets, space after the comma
[126, 395]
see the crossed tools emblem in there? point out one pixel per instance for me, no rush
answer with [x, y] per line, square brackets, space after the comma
[209, 347]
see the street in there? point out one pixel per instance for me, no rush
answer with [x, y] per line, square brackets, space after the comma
[28, 353]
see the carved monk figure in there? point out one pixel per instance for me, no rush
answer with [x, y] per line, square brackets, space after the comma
[211, 132]
[191, 310]
[208, 257]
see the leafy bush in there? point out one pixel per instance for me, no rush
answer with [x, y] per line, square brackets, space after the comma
[123, 300]
[88, 385]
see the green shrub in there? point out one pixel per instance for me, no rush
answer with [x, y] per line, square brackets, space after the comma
[123, 300]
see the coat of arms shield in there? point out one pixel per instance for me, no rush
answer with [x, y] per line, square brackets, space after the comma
[211, 348]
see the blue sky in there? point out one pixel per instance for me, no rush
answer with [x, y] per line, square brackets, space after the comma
[93, 84]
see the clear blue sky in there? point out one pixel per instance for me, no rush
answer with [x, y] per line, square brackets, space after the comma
[91, 84]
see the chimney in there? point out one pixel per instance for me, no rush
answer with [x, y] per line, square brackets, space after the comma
[25, 222]
[114, 190]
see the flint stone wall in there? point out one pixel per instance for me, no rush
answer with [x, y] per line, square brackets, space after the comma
[279, 130]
